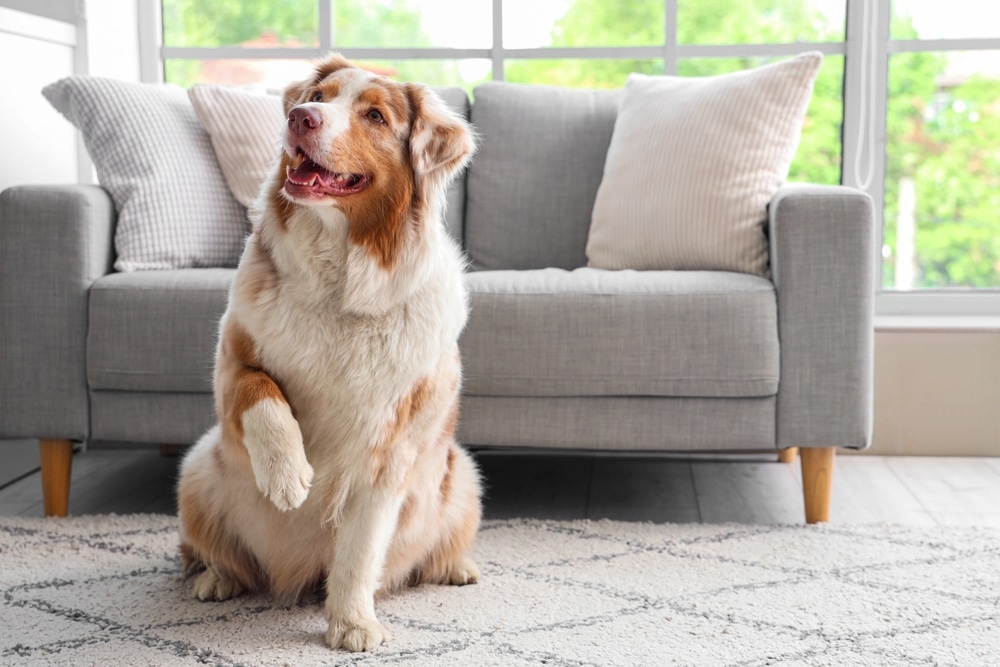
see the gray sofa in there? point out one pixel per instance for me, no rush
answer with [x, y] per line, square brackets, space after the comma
[556, 355]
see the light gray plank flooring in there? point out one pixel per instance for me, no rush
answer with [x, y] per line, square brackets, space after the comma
[953, 490]
[748, 491]
[867, 490]
[642, 488]
[742, 489]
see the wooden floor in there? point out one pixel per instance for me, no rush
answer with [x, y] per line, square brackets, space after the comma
[744, 489]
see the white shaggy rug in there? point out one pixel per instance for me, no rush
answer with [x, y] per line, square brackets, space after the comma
[107, 590]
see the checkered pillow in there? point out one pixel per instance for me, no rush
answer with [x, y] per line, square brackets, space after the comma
[152, 155]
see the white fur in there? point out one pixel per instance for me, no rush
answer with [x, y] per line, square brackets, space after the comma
[274, 442]
[347, 340]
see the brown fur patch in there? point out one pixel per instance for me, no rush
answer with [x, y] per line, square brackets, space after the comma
[331, 64]
[412, 404]
[261, 275]
[280, 209]
[243, 384]
[189, 559]
[293, 576]
[407, 409]
[382, 215]
[455, 542]
[295, 94]
[449, 467]
[438, 143]
[210, 544]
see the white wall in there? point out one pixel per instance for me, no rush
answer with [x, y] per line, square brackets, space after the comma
[38, 145]
[42, 41]
[113, 39]
[937, 393]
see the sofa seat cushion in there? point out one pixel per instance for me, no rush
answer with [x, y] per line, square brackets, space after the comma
[590, 332]
[156, 330]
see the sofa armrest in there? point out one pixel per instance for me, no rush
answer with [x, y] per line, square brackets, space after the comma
[822, 265]
[55, 241]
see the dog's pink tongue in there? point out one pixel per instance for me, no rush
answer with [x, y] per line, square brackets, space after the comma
[305, 172]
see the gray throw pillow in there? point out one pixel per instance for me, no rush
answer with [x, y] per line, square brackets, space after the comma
[152, 155]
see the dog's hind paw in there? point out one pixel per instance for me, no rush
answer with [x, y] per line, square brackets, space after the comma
[210, 585]
[364, 634]
[462, 573]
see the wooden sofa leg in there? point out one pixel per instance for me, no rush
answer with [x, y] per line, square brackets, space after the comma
[788, 455]
[57, 462]
[817, 482]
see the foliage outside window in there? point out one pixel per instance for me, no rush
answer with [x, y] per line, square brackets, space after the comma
[942, 176]
[942, 116]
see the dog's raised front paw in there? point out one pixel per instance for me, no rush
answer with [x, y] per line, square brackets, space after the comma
[277, 456]
[364, 634]
[286, 484]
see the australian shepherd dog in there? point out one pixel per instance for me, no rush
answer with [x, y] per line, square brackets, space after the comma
[334, 466]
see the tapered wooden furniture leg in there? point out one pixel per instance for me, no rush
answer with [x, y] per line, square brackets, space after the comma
[57, 462]
[817, 482]
[788, 455]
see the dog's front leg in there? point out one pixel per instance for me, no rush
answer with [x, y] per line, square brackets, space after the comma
[254, 410]
[363, 536]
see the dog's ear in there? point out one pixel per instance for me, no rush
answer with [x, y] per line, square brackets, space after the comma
[294, 93]
[441, 142]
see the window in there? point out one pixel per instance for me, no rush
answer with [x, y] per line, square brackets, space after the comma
[942, 172]
[906, 106]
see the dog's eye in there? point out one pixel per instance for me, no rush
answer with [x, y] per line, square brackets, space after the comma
[317, 96]
[375, 116]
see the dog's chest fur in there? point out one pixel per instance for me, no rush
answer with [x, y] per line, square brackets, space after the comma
[344, 338]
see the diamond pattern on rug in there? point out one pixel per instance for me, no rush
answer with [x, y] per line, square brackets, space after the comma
[109, 590]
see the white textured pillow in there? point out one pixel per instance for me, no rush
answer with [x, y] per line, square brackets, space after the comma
[692, 165]
[156, 161]
[246, 134]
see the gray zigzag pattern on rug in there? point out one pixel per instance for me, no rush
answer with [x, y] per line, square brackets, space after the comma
[542, 562]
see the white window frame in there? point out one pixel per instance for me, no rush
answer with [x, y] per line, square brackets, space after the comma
[866, 49]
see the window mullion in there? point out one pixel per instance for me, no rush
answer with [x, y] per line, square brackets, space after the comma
[496, 50]
[150, 19]
[670, 37]
[863, 136]
[325, 17]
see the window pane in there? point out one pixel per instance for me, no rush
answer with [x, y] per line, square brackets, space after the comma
[606, 74]
[269, 74]
[276, 74]
[535, 23]
[942, 182]
[467, 73]
[936, 19]
[255, 23]
[413, 23]
[819, 155]
[760, 21]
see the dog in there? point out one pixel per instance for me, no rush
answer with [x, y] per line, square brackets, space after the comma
[334, 463]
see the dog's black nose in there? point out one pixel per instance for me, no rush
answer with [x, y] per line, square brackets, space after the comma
[303, 120]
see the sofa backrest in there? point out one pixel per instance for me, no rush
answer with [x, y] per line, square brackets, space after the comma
[532, 184]
[458, 100]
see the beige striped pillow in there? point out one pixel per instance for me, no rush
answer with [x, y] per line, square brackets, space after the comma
[692, 165]
[245, 129]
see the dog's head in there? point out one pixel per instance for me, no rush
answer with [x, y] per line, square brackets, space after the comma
[367, 145]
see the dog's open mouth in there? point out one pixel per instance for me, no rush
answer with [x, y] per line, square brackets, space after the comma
[306, 178]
